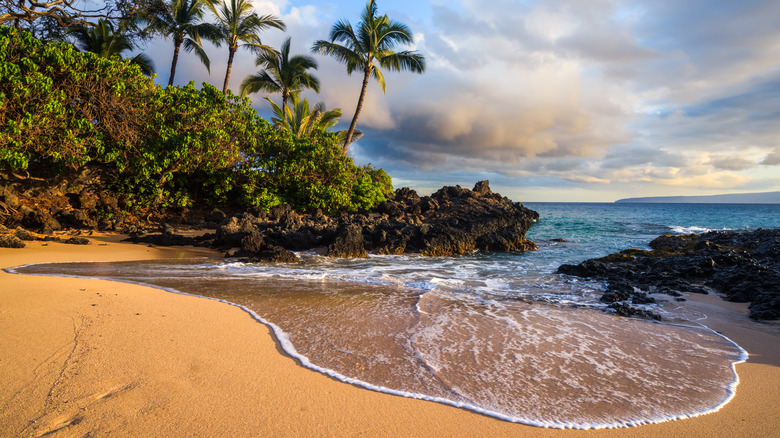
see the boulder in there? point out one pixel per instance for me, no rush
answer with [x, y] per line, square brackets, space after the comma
[741, 266]
[348, 243]
[11, 241]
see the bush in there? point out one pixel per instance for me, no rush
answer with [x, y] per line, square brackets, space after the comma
[190, 145]
[310, 172]
[63, 107]
[163, 147]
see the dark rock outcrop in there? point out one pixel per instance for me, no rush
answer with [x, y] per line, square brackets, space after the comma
[348, 243]
[741, 266]
[452, 221]
[11, 241]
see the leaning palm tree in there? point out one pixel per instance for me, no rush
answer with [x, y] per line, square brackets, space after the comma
[237, 23]
[180, 20]
[103, 41]
[368, 49]
[282, 74]
[303, 119]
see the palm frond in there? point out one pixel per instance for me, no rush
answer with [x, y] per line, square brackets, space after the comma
[342, 31]
[380, 78]
[403, 61]
[194, 46]
[347, 56]
[145, 62]
[261, 81]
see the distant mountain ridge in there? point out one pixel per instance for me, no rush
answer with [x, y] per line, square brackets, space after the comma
[735, 198]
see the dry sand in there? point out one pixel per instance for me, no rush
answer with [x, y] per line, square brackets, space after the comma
[97, 358]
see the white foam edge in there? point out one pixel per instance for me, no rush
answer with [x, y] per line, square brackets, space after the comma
[304, 361]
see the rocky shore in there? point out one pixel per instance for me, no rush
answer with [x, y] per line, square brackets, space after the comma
[740, 266]
[452, 221]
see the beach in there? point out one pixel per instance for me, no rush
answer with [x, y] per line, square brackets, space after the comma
[92, 357]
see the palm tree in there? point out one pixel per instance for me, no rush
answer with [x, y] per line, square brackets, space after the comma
[179, 19]
[368, 49]
[103, 41]
[282, 74]
[237, 23]
[303, 119]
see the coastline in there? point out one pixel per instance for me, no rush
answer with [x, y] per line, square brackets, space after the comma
[122, 359]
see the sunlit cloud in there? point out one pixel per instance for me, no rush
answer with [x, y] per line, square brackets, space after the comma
[603, 98]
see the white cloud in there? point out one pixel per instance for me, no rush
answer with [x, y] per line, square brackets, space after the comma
[650, 96]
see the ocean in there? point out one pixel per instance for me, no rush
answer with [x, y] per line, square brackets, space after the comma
[499, 334]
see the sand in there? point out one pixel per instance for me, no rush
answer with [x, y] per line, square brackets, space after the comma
[85, 357]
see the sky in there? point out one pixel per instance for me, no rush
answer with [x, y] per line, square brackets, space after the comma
[551, 100]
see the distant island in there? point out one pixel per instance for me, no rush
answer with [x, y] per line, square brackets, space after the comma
[735, 198]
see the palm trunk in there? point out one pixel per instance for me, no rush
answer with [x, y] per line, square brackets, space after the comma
[284, 106]
[176, 47]
[352, 126]
[232, 53]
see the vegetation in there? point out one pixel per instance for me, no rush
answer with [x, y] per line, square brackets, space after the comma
[66, 13]
[68, 109]
[104, 42]
[181, 20]
[282, 74]
[237, 23]
[303, 119]
[368, 49]
[64, 111]
[62, 108]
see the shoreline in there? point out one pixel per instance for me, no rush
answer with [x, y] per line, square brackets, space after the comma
[142, 394]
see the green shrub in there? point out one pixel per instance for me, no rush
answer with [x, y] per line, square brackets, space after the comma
[163, 147]
[310, 172]
[189, 147]
[61, 106]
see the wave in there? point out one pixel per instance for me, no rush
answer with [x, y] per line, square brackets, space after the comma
[492, 353]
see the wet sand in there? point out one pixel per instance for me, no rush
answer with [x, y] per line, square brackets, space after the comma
[94, 357]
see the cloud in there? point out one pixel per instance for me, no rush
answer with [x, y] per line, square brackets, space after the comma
[731, 163]
[611, 96]
[773, 159]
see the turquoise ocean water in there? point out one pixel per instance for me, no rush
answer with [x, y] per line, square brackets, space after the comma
[498, 334]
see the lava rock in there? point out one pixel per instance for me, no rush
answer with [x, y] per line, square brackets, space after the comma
[740, 266]
[275, 254]
[452, 221]
[349, 243]
[11, 241]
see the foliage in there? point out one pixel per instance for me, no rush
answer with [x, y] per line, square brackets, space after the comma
[64, 107]
[310, 172]
[66, 12]
[282, 74]
[163, 147]
[191, 138]
[303, 119]
[237, 23]
[103, 41]
[181, 21]
[368, 49]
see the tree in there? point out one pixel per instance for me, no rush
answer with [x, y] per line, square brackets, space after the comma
[104, 42]
[67, 12]
[238, 23]
[180, 20]
[282, 74]
[61, 108]
[368, 49]
[304, 120]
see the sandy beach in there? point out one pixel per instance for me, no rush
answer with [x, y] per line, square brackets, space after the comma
[85, 357]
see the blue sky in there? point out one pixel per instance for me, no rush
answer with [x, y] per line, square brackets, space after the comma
[565, 100]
